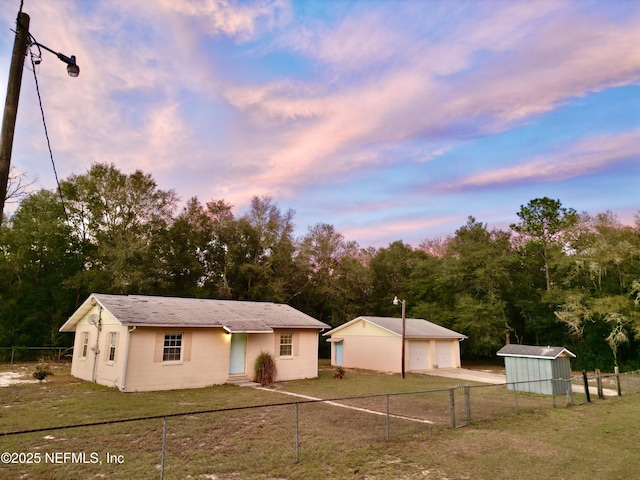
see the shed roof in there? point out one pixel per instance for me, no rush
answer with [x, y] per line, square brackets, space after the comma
[533, 351]
[415, 327]
[233, 316]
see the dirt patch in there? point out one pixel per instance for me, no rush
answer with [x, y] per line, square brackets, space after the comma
[12, 378]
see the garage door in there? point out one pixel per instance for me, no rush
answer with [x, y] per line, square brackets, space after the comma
[444, 354]
[418, 355]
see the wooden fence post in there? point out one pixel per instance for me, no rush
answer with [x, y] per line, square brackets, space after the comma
[585, 380]
[569, 393]
[599, 384]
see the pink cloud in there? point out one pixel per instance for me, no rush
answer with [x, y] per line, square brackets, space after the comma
[581, 158]
[490, 72]
[243, 21]
[399, 229]
[544, 54]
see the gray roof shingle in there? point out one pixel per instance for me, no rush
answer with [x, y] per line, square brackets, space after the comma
[533, 351]
[415, 327]
[235, 316]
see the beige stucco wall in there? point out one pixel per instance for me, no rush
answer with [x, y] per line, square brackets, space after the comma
[302, 364]
[361, 328]
[370, 347]
[96, 365]
[205, 359]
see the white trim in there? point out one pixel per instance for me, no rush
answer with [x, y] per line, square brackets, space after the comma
[164, 347]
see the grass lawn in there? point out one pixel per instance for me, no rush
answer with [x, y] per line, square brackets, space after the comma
[596, 441]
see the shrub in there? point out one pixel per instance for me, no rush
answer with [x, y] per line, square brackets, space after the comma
[339, 372]
[42, 372]
[265, 369]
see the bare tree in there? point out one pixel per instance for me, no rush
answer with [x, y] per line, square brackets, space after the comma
[17, 186]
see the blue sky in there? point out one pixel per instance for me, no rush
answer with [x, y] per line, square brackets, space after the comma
[391, 120]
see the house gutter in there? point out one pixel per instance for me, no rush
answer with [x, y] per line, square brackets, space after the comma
[126, 358]
[96, 348]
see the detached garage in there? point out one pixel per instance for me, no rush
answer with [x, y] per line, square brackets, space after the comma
[375, 343]
[541, 369]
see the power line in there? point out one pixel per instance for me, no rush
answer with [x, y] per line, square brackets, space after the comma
[46, 134]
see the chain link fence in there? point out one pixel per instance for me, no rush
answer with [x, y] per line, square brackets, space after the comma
[281, 440]
[34, 354]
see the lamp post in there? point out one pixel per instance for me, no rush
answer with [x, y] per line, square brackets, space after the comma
[396, 301]
[22, 41]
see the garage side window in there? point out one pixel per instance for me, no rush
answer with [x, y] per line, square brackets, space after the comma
[85, 344]
[172, 350]
[286, 344]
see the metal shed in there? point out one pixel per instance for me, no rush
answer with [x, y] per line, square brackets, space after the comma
[538, 367]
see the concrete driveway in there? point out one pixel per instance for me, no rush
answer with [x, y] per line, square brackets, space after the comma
[479, 376]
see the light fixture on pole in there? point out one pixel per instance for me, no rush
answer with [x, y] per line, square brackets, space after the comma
[22, 41]
[72, 67]
[396, 301]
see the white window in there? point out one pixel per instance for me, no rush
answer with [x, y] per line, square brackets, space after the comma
[85, 344]
[286, 344]
[113, 339]
[172, 350]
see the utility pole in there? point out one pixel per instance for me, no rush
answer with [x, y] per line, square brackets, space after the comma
[396, 301]
[404, 332]
[11, 104]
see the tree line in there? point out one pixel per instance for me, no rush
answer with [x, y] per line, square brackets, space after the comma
[556, 277]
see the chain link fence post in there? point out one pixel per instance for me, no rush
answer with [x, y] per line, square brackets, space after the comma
[452, 403]
[388, 423]
[467, 403]
[297, 434]
[164, 447]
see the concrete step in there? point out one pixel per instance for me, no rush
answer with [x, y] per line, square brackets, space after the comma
[241, 381]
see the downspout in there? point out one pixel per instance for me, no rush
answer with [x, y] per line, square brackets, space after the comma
[96, 349]
[126, 358]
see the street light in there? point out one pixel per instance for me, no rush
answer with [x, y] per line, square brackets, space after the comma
[72, 67]
[22, 41]
[396, 301]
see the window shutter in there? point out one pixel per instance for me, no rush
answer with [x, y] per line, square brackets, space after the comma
[105, 350]
[186, 347]
[296, 343]
[157, 353]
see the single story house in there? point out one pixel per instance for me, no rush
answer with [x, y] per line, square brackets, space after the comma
[375, 343]
[144, 343]
[537, 369]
